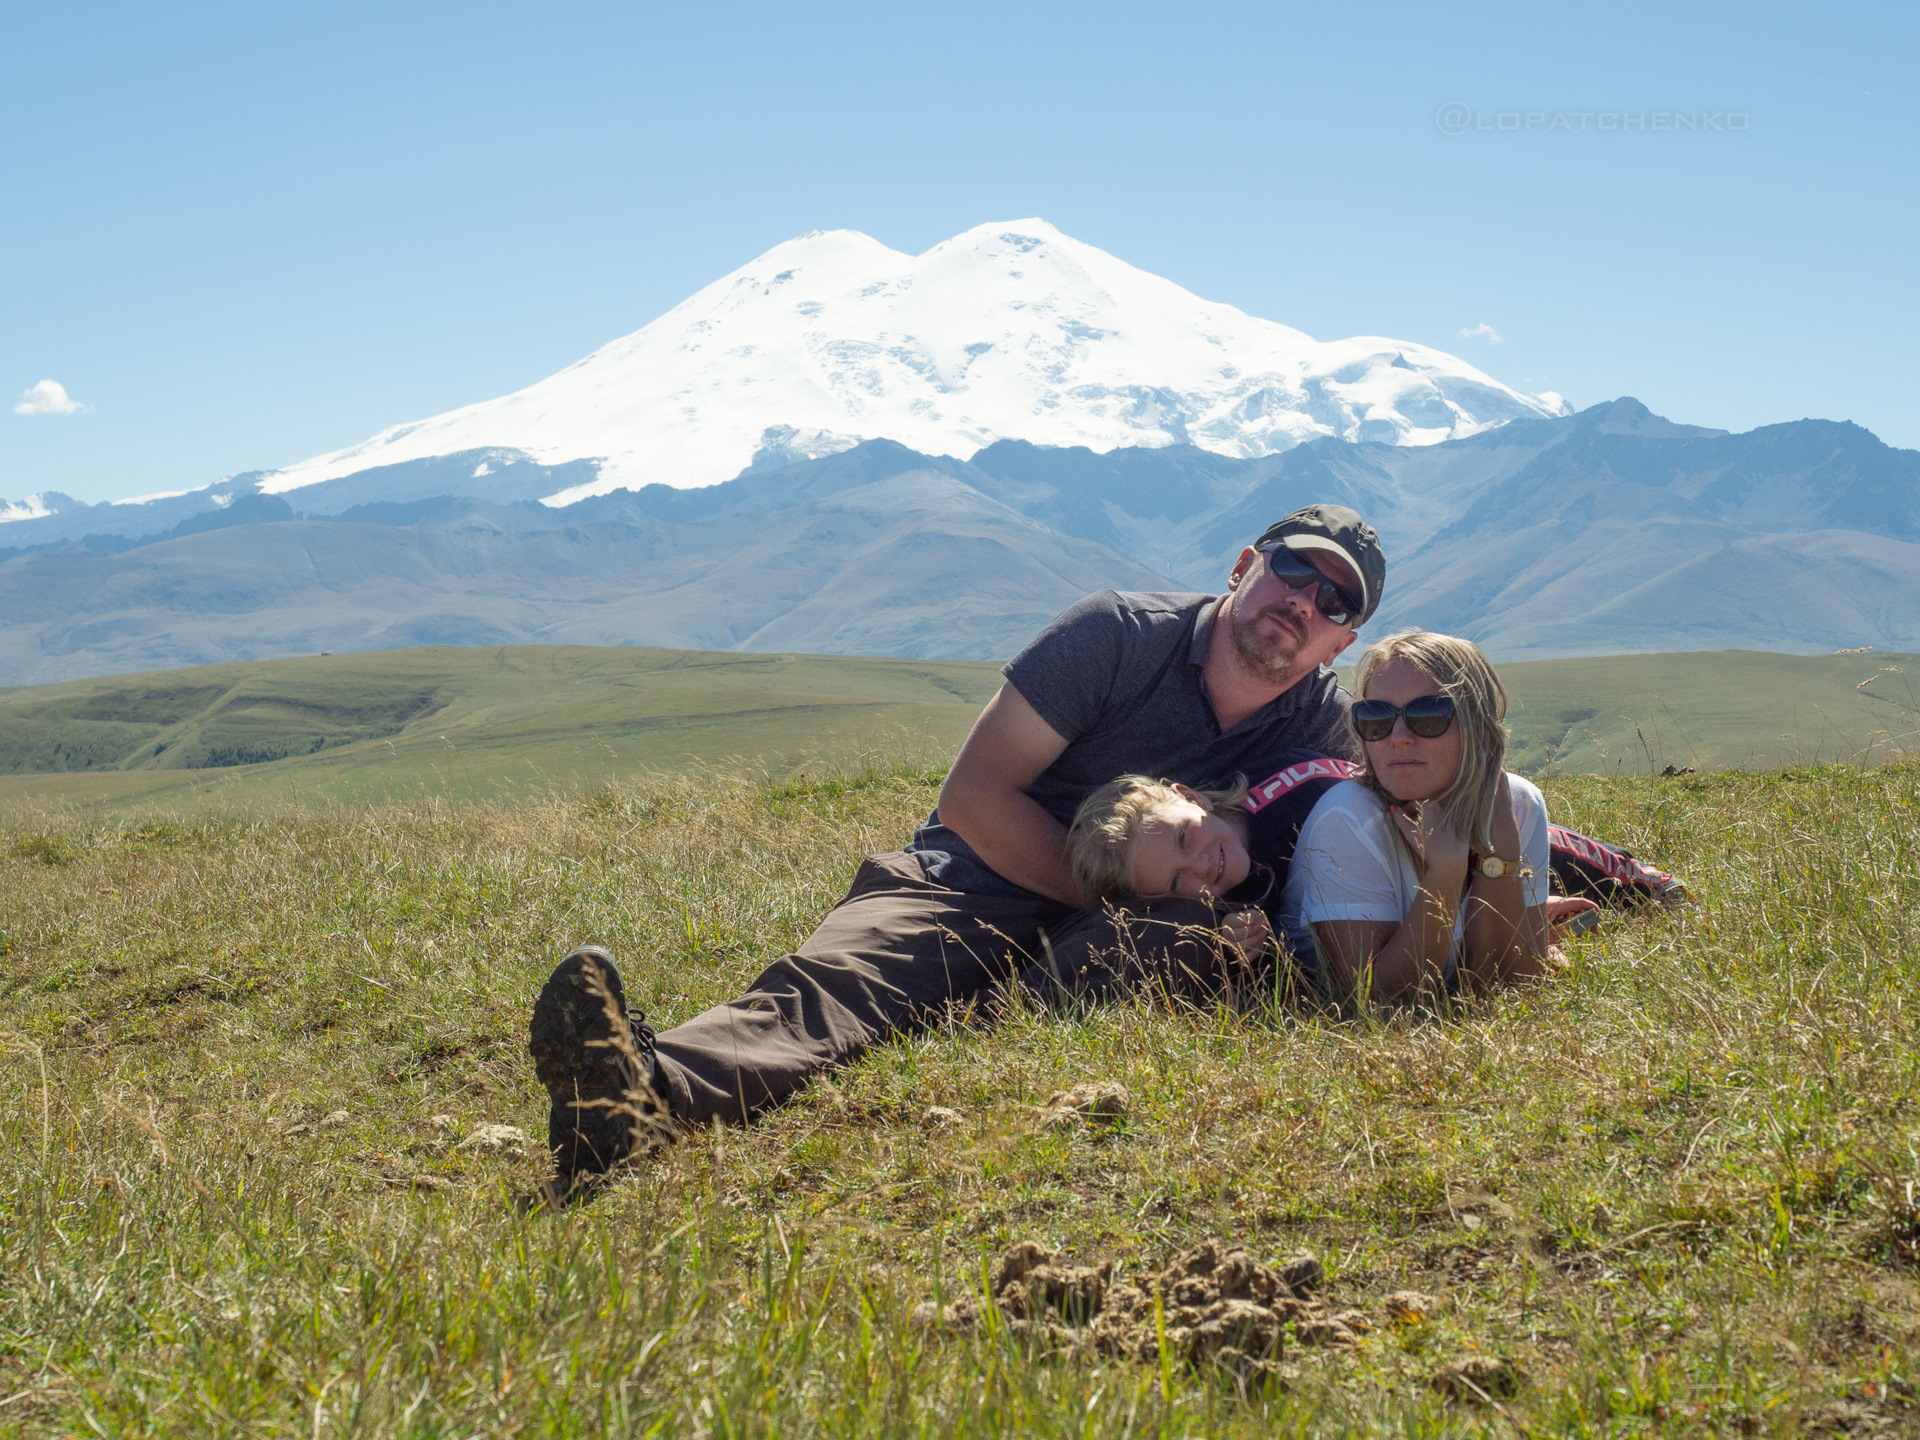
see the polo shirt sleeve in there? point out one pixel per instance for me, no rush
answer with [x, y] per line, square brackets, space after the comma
[1068, 671]
[1346, 870]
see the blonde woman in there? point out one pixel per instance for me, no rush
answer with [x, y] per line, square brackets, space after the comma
[1433, 862]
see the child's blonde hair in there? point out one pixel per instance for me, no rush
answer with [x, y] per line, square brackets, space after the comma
[1461, 669]
[1100, 840]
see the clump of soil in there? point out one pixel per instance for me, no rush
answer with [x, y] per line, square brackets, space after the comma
[493, 1139]
[1032, 1286]
[1105, 1102]
[1410, 1307]
[1213, 1305]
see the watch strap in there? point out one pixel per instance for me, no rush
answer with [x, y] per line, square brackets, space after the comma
[1501, 868]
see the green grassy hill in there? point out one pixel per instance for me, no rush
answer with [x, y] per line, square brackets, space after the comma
[466, 722]
[1712, 710]
[488, 722]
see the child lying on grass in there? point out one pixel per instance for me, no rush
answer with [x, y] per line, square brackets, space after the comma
[1138, 836]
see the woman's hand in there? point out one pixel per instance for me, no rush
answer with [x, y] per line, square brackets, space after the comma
[1248, 932]
[1388, 958]
[1439, 855]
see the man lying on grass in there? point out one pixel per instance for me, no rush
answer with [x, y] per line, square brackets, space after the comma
[1194, 687]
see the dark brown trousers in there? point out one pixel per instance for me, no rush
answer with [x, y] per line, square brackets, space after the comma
[898, 953]
[1164, 948]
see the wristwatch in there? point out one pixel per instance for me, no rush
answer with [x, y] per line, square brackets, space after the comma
[1493, 867]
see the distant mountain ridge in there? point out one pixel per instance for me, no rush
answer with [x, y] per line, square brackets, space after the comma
[1608, 531]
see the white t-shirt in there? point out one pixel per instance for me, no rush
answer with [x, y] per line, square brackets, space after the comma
[1351, 864]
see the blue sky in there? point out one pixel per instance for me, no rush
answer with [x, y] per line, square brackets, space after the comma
[243, 235]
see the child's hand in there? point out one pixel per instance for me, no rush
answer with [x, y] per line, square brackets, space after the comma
[1247, 931]
[1564, 912]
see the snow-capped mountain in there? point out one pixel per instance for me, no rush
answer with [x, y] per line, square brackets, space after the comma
[34, 507]
[1009, 331]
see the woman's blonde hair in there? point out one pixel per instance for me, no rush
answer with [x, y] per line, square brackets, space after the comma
[1100, 840]
[1460, 668]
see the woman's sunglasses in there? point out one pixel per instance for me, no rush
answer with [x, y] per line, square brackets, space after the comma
[1296, 574]
[1428, 717]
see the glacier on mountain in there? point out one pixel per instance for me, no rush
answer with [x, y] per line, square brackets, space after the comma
[1008, 331]
[34, 507]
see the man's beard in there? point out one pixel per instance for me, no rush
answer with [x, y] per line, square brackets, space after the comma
[1268, 655]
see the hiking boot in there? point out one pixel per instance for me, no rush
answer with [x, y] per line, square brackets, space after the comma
[597, 1063]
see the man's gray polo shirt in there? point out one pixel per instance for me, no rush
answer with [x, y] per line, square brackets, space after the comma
[1121, 677]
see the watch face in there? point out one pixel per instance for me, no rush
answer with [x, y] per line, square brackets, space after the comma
[1493, 867]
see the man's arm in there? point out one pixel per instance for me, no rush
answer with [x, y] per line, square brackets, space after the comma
[984, 799]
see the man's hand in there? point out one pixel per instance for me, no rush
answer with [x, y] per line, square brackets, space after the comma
[1248, 932]
[985, 802]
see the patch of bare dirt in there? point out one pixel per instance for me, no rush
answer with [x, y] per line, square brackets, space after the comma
[1477, 1377]
[332, 1121]
[1901, 1239]
[1859, 1329]
[1874, 1412]
[31, 1394]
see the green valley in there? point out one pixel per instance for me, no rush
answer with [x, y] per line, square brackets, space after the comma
[493, 722]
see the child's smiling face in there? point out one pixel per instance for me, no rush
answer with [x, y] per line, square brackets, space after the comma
[1184, 848]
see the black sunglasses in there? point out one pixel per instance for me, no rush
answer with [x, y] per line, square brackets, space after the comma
[1296, 574]
[1428, 717]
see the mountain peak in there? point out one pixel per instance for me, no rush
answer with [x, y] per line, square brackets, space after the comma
[1032, 226]
[827, 245]
[1009, 330]
[1627, 416]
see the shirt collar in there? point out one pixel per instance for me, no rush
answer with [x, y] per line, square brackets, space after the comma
[1203, 630]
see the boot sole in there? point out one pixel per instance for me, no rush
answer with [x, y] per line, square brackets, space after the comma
[601, 1108]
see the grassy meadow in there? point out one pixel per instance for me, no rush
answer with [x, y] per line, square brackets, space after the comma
[248, 1184]
[509, 724]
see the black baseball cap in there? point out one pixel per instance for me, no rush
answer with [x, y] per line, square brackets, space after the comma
[1338, 531]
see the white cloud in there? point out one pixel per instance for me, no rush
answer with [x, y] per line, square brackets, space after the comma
[1482, 331]
[49, 397]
